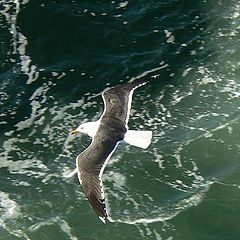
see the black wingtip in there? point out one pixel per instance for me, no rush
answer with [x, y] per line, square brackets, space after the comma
[99, 207]
[147, 76]
[104, 219]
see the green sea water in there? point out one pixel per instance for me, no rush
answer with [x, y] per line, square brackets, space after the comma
[56, 57]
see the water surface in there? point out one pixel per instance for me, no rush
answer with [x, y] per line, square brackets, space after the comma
[55, 59]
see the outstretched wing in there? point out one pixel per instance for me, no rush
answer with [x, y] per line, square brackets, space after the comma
[90, 166]
[93, 189]
[117, 105]
[118, 99]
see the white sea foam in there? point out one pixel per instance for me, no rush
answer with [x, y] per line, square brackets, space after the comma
[163, 215]
[177, 113]
[9, 208]
[11, 11]
[170, 37]
[63, 225]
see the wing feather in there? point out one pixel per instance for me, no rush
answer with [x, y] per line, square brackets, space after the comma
[93, 189]
[90, 166]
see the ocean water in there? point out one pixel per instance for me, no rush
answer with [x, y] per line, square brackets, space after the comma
[56, 57]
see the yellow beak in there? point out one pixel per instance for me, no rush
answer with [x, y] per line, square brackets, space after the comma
[73, 132]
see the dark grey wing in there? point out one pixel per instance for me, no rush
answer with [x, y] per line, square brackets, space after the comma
[90, 165]
[92, 187]
[117, 104]
[118, 99]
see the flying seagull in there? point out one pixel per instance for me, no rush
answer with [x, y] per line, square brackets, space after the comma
[106, 133]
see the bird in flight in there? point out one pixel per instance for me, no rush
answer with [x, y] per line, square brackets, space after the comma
[106, 133]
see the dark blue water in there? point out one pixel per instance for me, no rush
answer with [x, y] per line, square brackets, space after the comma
[56, 57]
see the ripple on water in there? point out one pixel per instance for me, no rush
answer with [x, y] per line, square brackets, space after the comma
[198, 108]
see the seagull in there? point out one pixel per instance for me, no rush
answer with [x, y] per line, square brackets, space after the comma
[106, 133]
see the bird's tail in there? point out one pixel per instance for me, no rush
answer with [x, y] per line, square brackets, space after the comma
[138, 138]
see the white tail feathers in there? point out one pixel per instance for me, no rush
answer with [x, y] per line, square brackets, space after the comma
[138, 138]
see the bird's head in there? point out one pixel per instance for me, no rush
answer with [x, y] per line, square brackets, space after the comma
[89, 128]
